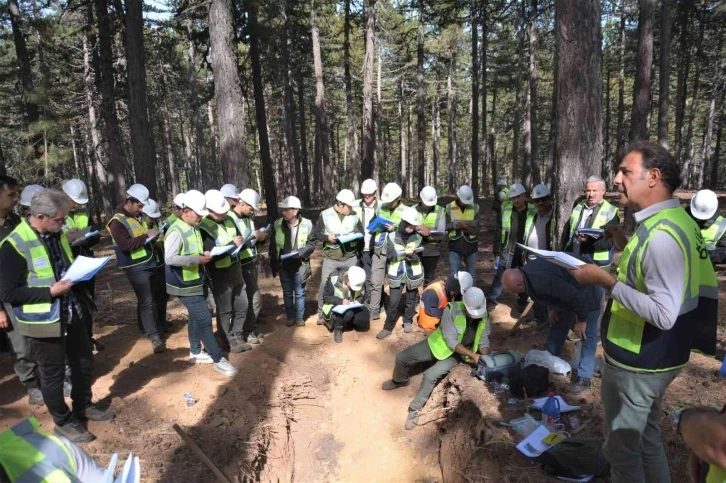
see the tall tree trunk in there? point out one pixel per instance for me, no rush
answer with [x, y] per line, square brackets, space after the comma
[303, 140]
[213, 132]
[30, 107]
[205, 166]
[484, 133]
[607, 171]
[620, 131]
[436, 121]
[420, 98]
[402, 137]
[643, 66]
[665, 72]
[3, 163]
[474, 15]
[684, 64]
[687, 159]
[492, 139]
[321, 114]
[451, 124]
[354, 178]
[707, 152]
[377, 160]
[292, 150]
[532, 95]
[142, 142]
[369, 134]
[717, 151]
[409, 160]
[578, 143]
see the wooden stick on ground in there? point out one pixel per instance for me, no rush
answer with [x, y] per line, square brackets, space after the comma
[198, 451]
[521, 318]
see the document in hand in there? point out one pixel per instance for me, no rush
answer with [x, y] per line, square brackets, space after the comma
[289, 255]
[343, 239]
[151, 238]
[595, 233]
[378, 224]
[341, 309]
[217, 251]
[437, 234]
[85, 237]
[85, 268]
[558, 258]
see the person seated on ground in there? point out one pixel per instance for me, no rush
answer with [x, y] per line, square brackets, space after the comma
[704, 211]
[704, 431]
[345, 286]
[437, 296]
[555, 288]
[457, 339]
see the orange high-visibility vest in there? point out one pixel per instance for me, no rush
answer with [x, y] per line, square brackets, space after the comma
[426, 321]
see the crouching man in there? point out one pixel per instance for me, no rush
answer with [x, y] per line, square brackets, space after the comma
[437, 296]
[345, 286]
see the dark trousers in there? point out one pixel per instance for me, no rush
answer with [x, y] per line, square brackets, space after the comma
[51, 354]
[25, 367]
[394, 300]
[365, 261]
[436, 370]
[232, 306]
[161, 298]
[144, 283]
[200, 326]
[254, 298]
[90, 286]
[429, 267]
[358, 319]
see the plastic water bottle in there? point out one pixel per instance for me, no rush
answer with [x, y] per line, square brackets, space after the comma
[551, 411]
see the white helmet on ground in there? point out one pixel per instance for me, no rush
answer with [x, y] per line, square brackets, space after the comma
[346, 197]
[356, 278]
[391, 192]
[428, 196]
[290, 202]
[251, 197]
[465, 194]
[152, 209]
[411, 216]
[179, 200]
[76, 190]
[230, 191]
[704, 204]
[195, 201]
[368, 187]
[28, 192]
[516, 189]
[465, 281]
[475, 302]
[216, 202]
[140, 192]
[540, 191]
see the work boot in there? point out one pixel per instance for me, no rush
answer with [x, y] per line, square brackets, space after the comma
[290, 322]
[252, 338]
[407, 327]
[74, 431]
[375, 316]
[237, 344]
[411, 419]
[93, 413]
[97, 346]
[383, 334]
[35, 397]
[579, 384]
[338, 334]
[300, 323]
[390, 384]
[321, 321]
[158, 345]
[225, 367]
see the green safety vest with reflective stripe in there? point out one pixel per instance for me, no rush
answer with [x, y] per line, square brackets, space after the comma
[341, 291]
[187, 280]
[76, 219]
[471, 212]
[431, 220]
[135, 228]
[245, 227]
[716, 474]
[529, 226]
[401, 269]
[437, 342]
[507, 209]
[631, 342]
[171, 219]
[223, 234]
[27, 454]
[37, 319]
[304, 228]
[358, 208]
[602, 257]
[712, 235]
[506, 193]
[333, 225]
[395, 216]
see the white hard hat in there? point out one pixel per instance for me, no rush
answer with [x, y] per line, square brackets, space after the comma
[411, 216]
[179, 200]
[230, 191]
[151, 209]
[428, 195]
[346, 197]
[251, 197]
[28, 192]
[368, 187]
[516, 189]
[356, 278]
[502, 195]
[76, 190]
[216, 202]
[290, 202]
[465, 281]
[502, 181]
[475, 302]
[465, 194]
[140, 192]
[540, 191]
[195, 201]
[704, 204]
[391, 192]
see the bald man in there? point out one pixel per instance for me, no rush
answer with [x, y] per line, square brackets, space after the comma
[567, 301]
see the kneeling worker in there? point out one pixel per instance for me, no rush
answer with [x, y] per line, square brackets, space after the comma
[345, 286]
[455, 340]
[437, 296]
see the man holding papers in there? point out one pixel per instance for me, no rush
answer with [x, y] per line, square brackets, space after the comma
[151, 219]
[367, 209]
[291, 244]
[228, 286]
[135, 256]
[343, 296]
[462, 223]
[336, 221]
[433, 219]
[48, 311]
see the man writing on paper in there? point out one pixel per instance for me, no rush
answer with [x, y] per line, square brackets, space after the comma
[345, 286]
[367, 209]
[49, 312]
[433, 218]
[704, 211]
[462, 223]
[663, 304]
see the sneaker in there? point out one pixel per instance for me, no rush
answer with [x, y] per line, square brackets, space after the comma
[35, 397]
[383, 334]
[390, 384]
[299, 323]
[237, 344]
[407, 327]
[93, 413]
[290, 322]
[225, 367]
[97, 346]
[158, 345]
[375, 316]
[67, 388]
[411, 419]
[202, 358]
[579, 384]
[320, 320]
[338, 335]
[252, 338]
[260, 335]
[74, 431]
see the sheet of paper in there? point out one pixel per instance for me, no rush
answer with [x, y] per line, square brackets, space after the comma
[264, 228]
[341, 309]
[216, 251]
[289, 255]
[236, 251]
[532, 446]
[564, 407]
[378, 224]
[558, 258]
[84, 268]
[151, 238]
[85, 237]
[343, 239]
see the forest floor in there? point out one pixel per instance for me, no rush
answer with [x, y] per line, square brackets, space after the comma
[306, 409]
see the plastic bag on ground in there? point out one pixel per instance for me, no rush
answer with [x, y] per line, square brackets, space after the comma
[545, 359]
[524, 426]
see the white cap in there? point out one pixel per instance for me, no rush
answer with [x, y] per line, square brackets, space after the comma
[368, 187]
[502, 181]
[179, 200]
[151, 209]
[290, 202]
[540, 191]
[411, 216]
[216, 202]
[76, 190]
[346, 197]
[516, 189]
[356, 278]
[704, 204]
[502, 195]
[475, 302]
[28, 192]
[230, 191]
[195, 201]
[140, 192]
[465, 281]
[391, 192]
[251, 197]
[428, 195]
[465, 194]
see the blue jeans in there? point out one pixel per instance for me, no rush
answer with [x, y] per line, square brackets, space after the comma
[293, 293]
[469, 261]
[200, 326]
[558, 334]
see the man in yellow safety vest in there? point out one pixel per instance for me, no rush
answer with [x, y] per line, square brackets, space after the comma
[704, 210]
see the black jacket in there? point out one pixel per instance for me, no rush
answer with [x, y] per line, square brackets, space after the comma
[290, 264]
[329, 296]
[587, 249]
